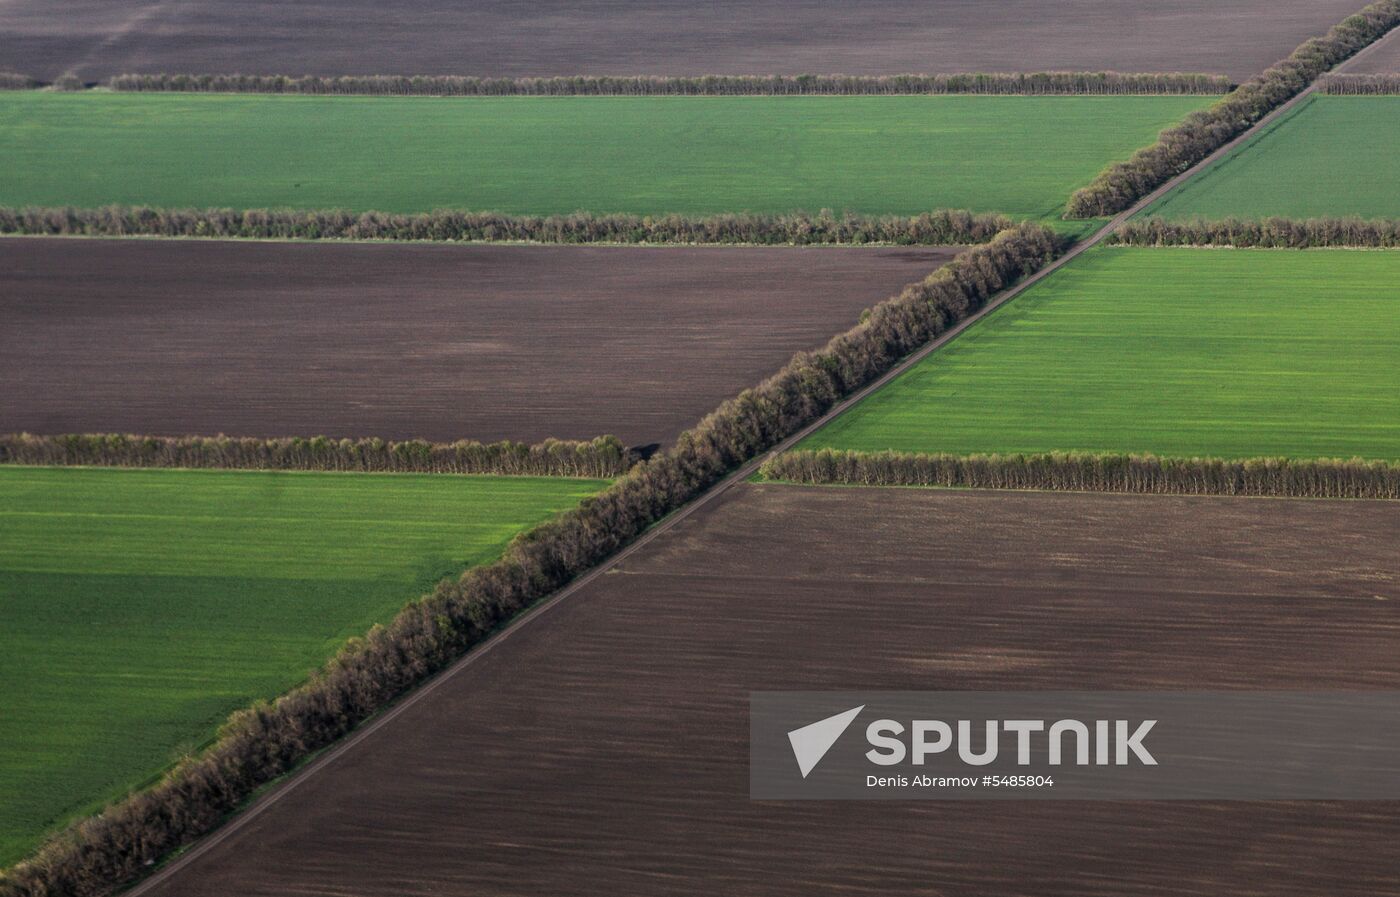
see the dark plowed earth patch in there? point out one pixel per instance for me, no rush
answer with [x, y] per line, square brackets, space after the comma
[437, 342]
[603, 750]
[1383, 60]
[98, 38]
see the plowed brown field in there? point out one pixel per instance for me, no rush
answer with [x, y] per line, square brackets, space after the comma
[601, 749]
[437, 342]
[1384, 60]
[99, 38]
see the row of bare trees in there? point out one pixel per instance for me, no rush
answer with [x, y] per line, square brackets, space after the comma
[1265, 233]
[1202, 133]
[1090, 472]
[98, 854]
[946, 227]
[1360, 85]
[13, 81]
[1035, 83]
[604, 457]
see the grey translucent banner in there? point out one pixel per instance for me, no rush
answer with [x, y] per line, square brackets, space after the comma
[1041, 745]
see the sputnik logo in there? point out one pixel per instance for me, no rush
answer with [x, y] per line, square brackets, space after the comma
[811, 742]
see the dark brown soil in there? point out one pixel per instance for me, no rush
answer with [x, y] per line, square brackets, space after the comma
[1383, 60]
[99, 38]
[437, 342]
[602, 750]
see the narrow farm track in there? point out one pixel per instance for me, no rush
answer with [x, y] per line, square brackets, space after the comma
[331, 755]
[134, 24]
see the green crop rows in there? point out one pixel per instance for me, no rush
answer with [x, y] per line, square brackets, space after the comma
[1178, 352]
[531, 155]
[1335, 156]
[142, 607]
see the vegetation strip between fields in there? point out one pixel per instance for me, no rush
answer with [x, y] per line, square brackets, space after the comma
[990, 83]
[1359, 85]
[1202, 133]
[262, 743]
[947, 227]
[1265, 233]
[604, 457]
[1092, 472]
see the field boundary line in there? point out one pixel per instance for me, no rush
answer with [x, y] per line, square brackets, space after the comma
[1132, 473]
[1039, 83]
[277, 791]
[931, 227]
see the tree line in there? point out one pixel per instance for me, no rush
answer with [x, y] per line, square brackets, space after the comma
[98, 854]
[1093, 472]
[16, 81]
[603, 458]
[1360, 85]
[1178, 148]
[945, 227]
[13, 81]
[1266, 233]
[1036, 83]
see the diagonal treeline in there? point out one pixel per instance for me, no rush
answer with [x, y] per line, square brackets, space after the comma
[99, 854]
[1202, 133]
[104, 852]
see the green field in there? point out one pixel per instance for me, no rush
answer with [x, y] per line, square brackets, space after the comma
[1334, 156]
[1179, 352]
[141, 607]
[536, 155]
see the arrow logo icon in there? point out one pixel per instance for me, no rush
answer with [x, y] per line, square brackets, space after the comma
[810, 743]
